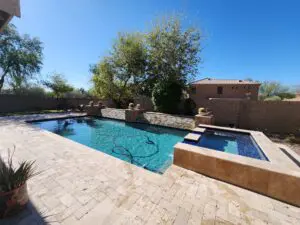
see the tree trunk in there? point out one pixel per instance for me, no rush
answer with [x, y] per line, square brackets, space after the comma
[2, 82]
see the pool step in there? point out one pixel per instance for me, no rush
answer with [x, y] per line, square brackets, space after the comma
[192, 137]
[199, 129]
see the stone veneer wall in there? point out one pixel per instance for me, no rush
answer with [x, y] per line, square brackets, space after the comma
[155, 118]
[167, 120]
[113, 113]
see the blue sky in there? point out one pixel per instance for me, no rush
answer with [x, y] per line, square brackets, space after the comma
[258, 39]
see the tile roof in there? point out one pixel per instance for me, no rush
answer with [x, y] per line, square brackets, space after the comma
[223, 81]
[11, 7]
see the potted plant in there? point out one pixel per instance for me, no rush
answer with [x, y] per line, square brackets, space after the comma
[13, 189]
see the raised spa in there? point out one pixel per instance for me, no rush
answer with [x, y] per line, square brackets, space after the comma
[231, 142]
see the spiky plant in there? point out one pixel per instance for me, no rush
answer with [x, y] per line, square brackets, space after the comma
[12, 178]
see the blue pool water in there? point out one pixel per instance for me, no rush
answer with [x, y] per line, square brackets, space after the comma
[230, 142]
[147, 146]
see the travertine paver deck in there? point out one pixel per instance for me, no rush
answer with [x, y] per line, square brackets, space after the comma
[79, 185]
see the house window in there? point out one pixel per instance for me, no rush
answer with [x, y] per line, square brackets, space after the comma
[220, 90]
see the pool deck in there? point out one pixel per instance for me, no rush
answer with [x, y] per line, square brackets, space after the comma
[79, 185]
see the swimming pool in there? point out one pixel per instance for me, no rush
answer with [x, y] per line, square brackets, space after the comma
[230, 142]
[147, 146]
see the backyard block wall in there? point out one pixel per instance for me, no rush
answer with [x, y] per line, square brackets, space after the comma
[282, 117]
[17, 103]
[277, 117]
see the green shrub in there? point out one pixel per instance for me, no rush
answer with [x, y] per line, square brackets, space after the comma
[189, 106]
[286, 95]
[273, 98]
[166, 96]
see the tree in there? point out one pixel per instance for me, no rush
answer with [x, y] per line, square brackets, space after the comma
[58, 85]
[119, 75]
[129, 57]
[173, 57]
[31, 90]
[189, 107]
[166, 96]
[20, 56]
[167, 56]
[77, 93]
[272, 88]
[173, 51]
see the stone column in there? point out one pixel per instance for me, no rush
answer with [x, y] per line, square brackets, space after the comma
[204, 119]
[132, 112]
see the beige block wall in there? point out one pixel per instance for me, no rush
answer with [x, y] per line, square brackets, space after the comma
[282, 117]
[16, 103]
[277, 117]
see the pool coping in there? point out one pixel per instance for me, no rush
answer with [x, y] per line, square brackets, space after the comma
[164, 168]
[268, 148]
[264, 177]
[104, 117]
[265, 144]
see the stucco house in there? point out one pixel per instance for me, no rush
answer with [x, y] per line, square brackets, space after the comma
[8, 9]
[218, 88]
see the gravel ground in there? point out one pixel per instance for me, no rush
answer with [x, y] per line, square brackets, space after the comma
[282, 140]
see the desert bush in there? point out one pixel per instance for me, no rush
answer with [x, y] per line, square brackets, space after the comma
[189, 106]
[10, 177]
[286, 95]
[166, 96]
[273, 98]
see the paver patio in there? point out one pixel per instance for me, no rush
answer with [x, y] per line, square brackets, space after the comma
[79, 185]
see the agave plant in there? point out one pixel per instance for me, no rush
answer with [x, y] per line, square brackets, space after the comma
[12, 178]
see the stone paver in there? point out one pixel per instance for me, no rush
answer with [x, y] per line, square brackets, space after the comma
[199, 129]
[192, 137]
[79, 185]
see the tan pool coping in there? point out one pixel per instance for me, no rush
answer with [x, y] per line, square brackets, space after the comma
[82, 186]
[257, 175]
[269, 148]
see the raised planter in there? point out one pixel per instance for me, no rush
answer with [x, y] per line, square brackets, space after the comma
[14, 201]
